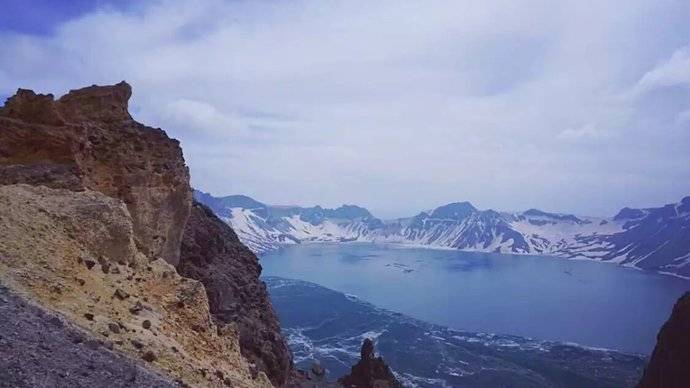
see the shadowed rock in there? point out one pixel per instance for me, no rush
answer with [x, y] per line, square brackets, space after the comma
[212, 254]
[370, 371]
[669, 366]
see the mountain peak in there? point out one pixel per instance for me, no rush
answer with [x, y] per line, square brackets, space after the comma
[627, 213]
[455, 210]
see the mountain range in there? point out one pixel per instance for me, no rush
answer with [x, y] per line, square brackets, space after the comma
[656, 239]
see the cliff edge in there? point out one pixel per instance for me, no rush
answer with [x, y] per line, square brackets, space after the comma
[93, 208]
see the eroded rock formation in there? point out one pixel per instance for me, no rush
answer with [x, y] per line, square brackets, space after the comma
[370, 371]
[669, 366]
[92, 210]
[212, 254]
[97, 225]
[87, 140]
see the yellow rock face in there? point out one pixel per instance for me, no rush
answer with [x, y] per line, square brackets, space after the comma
[75, 253]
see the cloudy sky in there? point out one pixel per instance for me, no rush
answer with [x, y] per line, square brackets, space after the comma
[573, 106]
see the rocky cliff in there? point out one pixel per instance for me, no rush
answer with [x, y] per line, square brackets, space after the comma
[126, 281]
[229, 271]
[86, 140]
[669, 366]
[93, 207]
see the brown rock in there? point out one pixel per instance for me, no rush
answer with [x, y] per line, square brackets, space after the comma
[146, 324]
[212, 254]
[669, 366]
[149, 356]
[120, 294]
[80, 179]
[77, 142]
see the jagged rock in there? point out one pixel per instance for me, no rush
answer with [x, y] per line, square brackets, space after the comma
[82, 183]
[669, 366]
[87, 140]
[370, 371]
[212, 254]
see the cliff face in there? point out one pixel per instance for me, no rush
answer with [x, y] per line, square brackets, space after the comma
[669, 366]
[101, 246]
[212, 254]
[87, 140]
[93, 206]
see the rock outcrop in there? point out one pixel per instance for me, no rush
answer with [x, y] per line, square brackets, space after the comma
[370, 371]
[87, 140]
[212, 254]
[93, 206]
[669, 366]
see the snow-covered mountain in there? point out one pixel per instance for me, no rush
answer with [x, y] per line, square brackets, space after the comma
[655, 239]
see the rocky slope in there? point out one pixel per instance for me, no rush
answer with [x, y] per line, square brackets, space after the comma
[669, 366]
[212, 254]
[656, 239]
[93, 207]
[40, 350]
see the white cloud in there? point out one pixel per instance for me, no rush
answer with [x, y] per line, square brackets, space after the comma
[394, 105]
[673, 72]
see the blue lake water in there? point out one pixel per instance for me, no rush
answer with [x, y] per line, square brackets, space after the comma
[546, 298]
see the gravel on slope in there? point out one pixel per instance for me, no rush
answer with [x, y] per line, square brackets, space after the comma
[39, 348]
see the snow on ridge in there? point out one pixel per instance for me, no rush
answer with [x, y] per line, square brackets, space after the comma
[620, 239]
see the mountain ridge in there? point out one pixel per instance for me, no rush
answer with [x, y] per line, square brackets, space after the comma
[656, 239]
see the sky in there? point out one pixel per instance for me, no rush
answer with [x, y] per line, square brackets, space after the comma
[399, 106]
